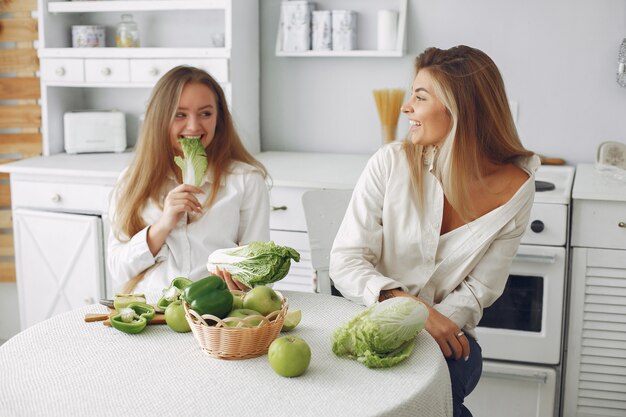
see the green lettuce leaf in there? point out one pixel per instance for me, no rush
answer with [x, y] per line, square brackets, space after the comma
[383, 334]
[257, 263]
[195, 162]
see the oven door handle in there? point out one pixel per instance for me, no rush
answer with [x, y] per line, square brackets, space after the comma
[549, 259]
[534, 376]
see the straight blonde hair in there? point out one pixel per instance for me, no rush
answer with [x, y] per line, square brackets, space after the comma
[471, 88]
[154, 156]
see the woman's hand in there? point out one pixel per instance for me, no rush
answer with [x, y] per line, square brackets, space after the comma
[451, 339]
[232, 283]
[177, 202]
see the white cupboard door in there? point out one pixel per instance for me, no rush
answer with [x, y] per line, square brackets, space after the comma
[513, 390]
[58, 261]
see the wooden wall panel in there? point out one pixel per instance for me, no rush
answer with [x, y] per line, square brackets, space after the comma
[14, 60]
[27, 116]
[18, 30]
[18, 5]
[20, 88]
[20, 115]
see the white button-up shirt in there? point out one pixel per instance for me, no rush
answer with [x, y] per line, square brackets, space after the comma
[239, 215]
[386, 242]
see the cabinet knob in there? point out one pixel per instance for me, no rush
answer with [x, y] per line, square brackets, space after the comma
[622, 224]
[105, 71]
[88, 300]
[537, 226]
[55, 198]
[276, 208]
[154, 71]
[60, 71]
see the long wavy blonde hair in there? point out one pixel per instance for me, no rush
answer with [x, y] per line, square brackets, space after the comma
[154, 156]
[471, 88]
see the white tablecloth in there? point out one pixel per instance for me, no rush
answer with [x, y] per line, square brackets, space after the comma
[66, 367]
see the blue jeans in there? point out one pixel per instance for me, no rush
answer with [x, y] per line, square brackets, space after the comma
[464, 376]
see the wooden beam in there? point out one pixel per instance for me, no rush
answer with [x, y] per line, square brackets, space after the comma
[6, 219]
[5, 196]
[7, 271]
[20, 116]
[18, 30]
[12, 60]
[19, 88]
[26, 144]
[7, 6]
[6, 245]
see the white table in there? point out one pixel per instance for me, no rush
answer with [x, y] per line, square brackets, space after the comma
[66, 367]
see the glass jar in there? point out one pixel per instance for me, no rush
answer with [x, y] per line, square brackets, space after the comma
[127, 35]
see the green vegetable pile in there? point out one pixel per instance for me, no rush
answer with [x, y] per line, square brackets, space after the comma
[257, 263]
[382, 335]
[195, 162]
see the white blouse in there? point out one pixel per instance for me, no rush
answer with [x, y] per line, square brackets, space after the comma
[239, 215]
[386, 242]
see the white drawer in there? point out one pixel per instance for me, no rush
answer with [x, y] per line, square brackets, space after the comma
[107, 70]
[71, 70]
[599, 224]
[286, 210]
[150, 70]
[73, 198]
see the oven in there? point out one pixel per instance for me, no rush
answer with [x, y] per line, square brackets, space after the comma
[522, 333]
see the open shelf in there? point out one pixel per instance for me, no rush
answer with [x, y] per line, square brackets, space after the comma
[398, 52]
[133, 5]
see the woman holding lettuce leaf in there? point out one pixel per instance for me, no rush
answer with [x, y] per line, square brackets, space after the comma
[192, 188]
[439, 217]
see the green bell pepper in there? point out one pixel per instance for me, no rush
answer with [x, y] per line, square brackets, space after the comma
[133, 318]
[173, 292]
[209, 295]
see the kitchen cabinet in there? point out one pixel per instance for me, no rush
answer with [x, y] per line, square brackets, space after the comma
[595, 380]
[366, 31]
[172, 32]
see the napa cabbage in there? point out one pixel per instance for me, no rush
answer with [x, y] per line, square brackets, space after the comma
[257, 263]
[194, 163]
[383, 334]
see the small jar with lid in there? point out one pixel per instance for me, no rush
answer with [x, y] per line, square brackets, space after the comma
[127, 35]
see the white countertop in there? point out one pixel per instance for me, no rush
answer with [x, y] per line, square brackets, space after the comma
[287, 169]
[591, 184]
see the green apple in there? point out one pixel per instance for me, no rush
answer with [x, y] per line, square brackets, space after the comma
[292, 319]
[237, 302]
[262, 299]
[175, 317]
[289, 356]
[242, 313]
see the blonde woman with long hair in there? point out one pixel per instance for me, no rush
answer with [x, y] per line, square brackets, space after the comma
[161, 228]
[439, 217]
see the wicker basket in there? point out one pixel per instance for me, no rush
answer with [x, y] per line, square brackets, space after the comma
[241, 341]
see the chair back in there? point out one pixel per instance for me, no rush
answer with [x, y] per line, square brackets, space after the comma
[324, 211]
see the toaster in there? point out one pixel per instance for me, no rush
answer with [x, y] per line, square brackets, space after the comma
[94, 131]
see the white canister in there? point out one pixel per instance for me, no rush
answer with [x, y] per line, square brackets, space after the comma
[322, 26]
[344, 30]
[295, 18]
[88, 36]
[387, 30]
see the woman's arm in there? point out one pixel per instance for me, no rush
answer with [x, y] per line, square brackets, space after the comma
[358, 245]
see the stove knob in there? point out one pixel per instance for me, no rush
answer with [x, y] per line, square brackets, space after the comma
[537, 226]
